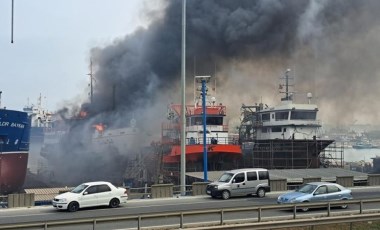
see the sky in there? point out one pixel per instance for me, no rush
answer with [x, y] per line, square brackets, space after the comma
[52, 42]
[332, 48]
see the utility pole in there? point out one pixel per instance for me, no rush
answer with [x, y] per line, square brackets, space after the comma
[183, 101]
[12, 21]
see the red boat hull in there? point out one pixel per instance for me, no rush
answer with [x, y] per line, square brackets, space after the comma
[195, 152]
[13, 166]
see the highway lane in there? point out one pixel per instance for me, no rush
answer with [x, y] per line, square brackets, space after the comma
[149, 206]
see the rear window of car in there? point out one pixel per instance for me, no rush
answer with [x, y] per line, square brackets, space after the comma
[251, 176]
[103, 188]
[332, 188]
[263, 175]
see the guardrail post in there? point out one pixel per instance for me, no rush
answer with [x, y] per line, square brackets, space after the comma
[139, 223]
[94, 224]
[45, 227]
[221, 217]
[294, 211]
[361, 207]
[181, 220]
[328, 209]
[259, 215]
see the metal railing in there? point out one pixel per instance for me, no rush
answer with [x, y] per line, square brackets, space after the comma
[223, 223]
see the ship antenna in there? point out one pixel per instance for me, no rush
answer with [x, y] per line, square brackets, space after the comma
[91, 85]
[0, 97]
[287, 84]
[288, 95]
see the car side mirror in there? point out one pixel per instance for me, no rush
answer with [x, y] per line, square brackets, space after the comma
[85, 193]
[233, 181]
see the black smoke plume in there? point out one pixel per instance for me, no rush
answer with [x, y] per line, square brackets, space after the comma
[331, 46]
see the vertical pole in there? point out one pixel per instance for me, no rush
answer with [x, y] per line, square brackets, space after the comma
[204, 131]
[12, 21]
[183, 101]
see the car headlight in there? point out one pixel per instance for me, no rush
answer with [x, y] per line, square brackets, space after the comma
[215, 186]
[63, 200]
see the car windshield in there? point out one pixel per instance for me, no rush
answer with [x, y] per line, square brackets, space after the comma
[79, 188]
[226, 177]
[307, 188]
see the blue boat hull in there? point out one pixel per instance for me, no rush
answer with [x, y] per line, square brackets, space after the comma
[14, 149]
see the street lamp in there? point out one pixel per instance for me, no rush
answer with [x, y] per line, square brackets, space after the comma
[204, 80]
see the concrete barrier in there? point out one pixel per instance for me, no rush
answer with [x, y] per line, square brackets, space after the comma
[278, 185]
[20, 200]
[373, 179]
[346, 181]
[311, 179]
[162, 190]
[199, 188]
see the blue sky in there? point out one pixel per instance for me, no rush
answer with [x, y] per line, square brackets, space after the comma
[52, 43]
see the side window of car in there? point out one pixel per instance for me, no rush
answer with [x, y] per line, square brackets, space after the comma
[251, 176]
[103, 188]
[91, 190]
[321, 190]
[332, 188]
[263, 175]
[239, 178]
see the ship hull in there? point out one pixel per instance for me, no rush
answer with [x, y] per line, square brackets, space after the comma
[12, 171]
[219, 157]
[284, 154]
[14, 149]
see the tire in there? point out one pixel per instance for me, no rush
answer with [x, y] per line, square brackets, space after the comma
[73, 206]
[260, 192]
[305, 209]
[226, 195]
[344, 206]
[114, 203]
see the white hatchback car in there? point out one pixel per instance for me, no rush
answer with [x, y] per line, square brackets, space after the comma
[91, 194]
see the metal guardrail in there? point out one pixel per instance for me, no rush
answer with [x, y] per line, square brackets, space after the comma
[259, 221]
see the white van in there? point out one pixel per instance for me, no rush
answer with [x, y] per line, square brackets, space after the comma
[240, 182]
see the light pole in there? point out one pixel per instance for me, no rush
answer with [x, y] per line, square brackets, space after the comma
[204, 80]
[183, 101]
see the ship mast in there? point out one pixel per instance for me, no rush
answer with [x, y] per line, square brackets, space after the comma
[288, 95]
[91, 85]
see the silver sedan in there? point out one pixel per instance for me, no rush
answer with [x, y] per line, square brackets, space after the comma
[316, 192]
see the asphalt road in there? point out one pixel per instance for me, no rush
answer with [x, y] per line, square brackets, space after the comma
[188, 203]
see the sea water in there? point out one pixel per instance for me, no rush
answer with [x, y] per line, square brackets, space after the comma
[356, 155]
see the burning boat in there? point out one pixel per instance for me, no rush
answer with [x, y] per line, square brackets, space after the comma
[223, 149]
[285, 136]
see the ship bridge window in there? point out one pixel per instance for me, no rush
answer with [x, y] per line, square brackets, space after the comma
[265, 117]
[282, 116]
[209, 120]
[303, 115]
[276, 129]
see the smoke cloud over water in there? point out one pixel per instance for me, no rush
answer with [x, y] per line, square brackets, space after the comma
[331, 47]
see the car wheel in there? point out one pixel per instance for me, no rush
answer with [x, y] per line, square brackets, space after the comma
[344, 206]
[73, 207]
[114, 203]
[226, 195]
[260, 192]
[305, 209]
